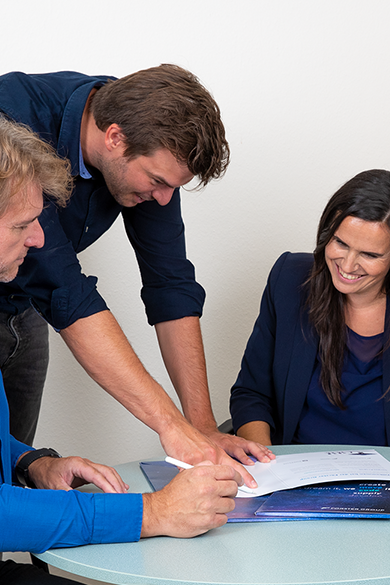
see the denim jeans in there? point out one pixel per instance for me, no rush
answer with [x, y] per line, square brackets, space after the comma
[12, 573]
[24, 357]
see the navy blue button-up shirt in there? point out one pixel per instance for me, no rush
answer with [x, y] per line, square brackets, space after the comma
[50, 278]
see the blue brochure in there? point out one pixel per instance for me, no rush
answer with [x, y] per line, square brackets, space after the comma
[158, 473]
[357, 499]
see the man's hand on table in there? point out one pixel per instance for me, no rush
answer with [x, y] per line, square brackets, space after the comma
[190, 445]
[67, 473]
[241, 448]
[195, 501]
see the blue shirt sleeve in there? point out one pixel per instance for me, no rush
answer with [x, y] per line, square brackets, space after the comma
[17, 449]
[36, 520]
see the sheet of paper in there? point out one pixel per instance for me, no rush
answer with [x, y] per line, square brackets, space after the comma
[300, 469]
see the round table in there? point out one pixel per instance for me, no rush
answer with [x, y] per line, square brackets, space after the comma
[295, 552]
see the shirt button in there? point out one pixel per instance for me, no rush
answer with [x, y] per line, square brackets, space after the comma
[86, 229]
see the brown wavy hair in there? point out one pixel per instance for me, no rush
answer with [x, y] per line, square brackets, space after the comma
[26, 159]
[366, 196]
[166, 107]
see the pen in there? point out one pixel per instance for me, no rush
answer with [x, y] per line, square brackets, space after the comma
[242, 488]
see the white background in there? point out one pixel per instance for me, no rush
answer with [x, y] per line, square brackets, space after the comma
[304, 89]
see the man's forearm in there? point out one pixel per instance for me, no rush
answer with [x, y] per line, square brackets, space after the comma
[183, 354]
[101, 347]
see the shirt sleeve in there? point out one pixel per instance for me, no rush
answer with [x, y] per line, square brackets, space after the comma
[52, 277]
[36, 520]
[17, 449]
[157, 235]
[253, 394]
[38, 99]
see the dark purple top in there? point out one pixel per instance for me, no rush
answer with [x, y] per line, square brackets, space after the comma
[363, 420]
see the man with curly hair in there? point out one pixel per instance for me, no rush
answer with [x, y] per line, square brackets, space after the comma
[52, 513]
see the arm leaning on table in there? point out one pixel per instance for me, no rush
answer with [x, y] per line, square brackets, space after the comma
[39, 519]
[173, 301]
[102, 349]
[70, 302]
[182, 349]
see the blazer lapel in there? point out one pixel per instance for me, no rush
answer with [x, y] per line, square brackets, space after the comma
[386, 370]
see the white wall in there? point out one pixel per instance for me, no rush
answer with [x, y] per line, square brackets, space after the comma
[304, 89]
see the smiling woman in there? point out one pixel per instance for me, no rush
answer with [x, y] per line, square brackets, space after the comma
[316, 368]
[358, 258]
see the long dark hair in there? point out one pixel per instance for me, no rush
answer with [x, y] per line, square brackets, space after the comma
[365, 196]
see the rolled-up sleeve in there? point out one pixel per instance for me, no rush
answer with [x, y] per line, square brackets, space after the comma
[169, 289]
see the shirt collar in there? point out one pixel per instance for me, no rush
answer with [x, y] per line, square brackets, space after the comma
[83, 172]
[69, 137]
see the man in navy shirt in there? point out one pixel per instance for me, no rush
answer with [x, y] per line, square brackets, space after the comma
[56, 515]
[132, 143]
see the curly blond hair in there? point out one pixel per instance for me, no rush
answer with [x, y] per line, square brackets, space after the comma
[26, 159]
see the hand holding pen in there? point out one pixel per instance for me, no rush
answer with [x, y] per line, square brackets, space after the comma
[183, 465]
[192, 503]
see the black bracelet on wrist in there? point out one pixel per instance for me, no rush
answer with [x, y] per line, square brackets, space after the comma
[21, 470]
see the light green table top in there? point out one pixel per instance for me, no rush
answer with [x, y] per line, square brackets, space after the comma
[302, 552]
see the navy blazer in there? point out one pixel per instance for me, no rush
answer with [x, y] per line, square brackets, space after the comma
[280, 355]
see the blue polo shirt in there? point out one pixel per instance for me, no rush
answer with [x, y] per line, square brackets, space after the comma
[51, 278]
